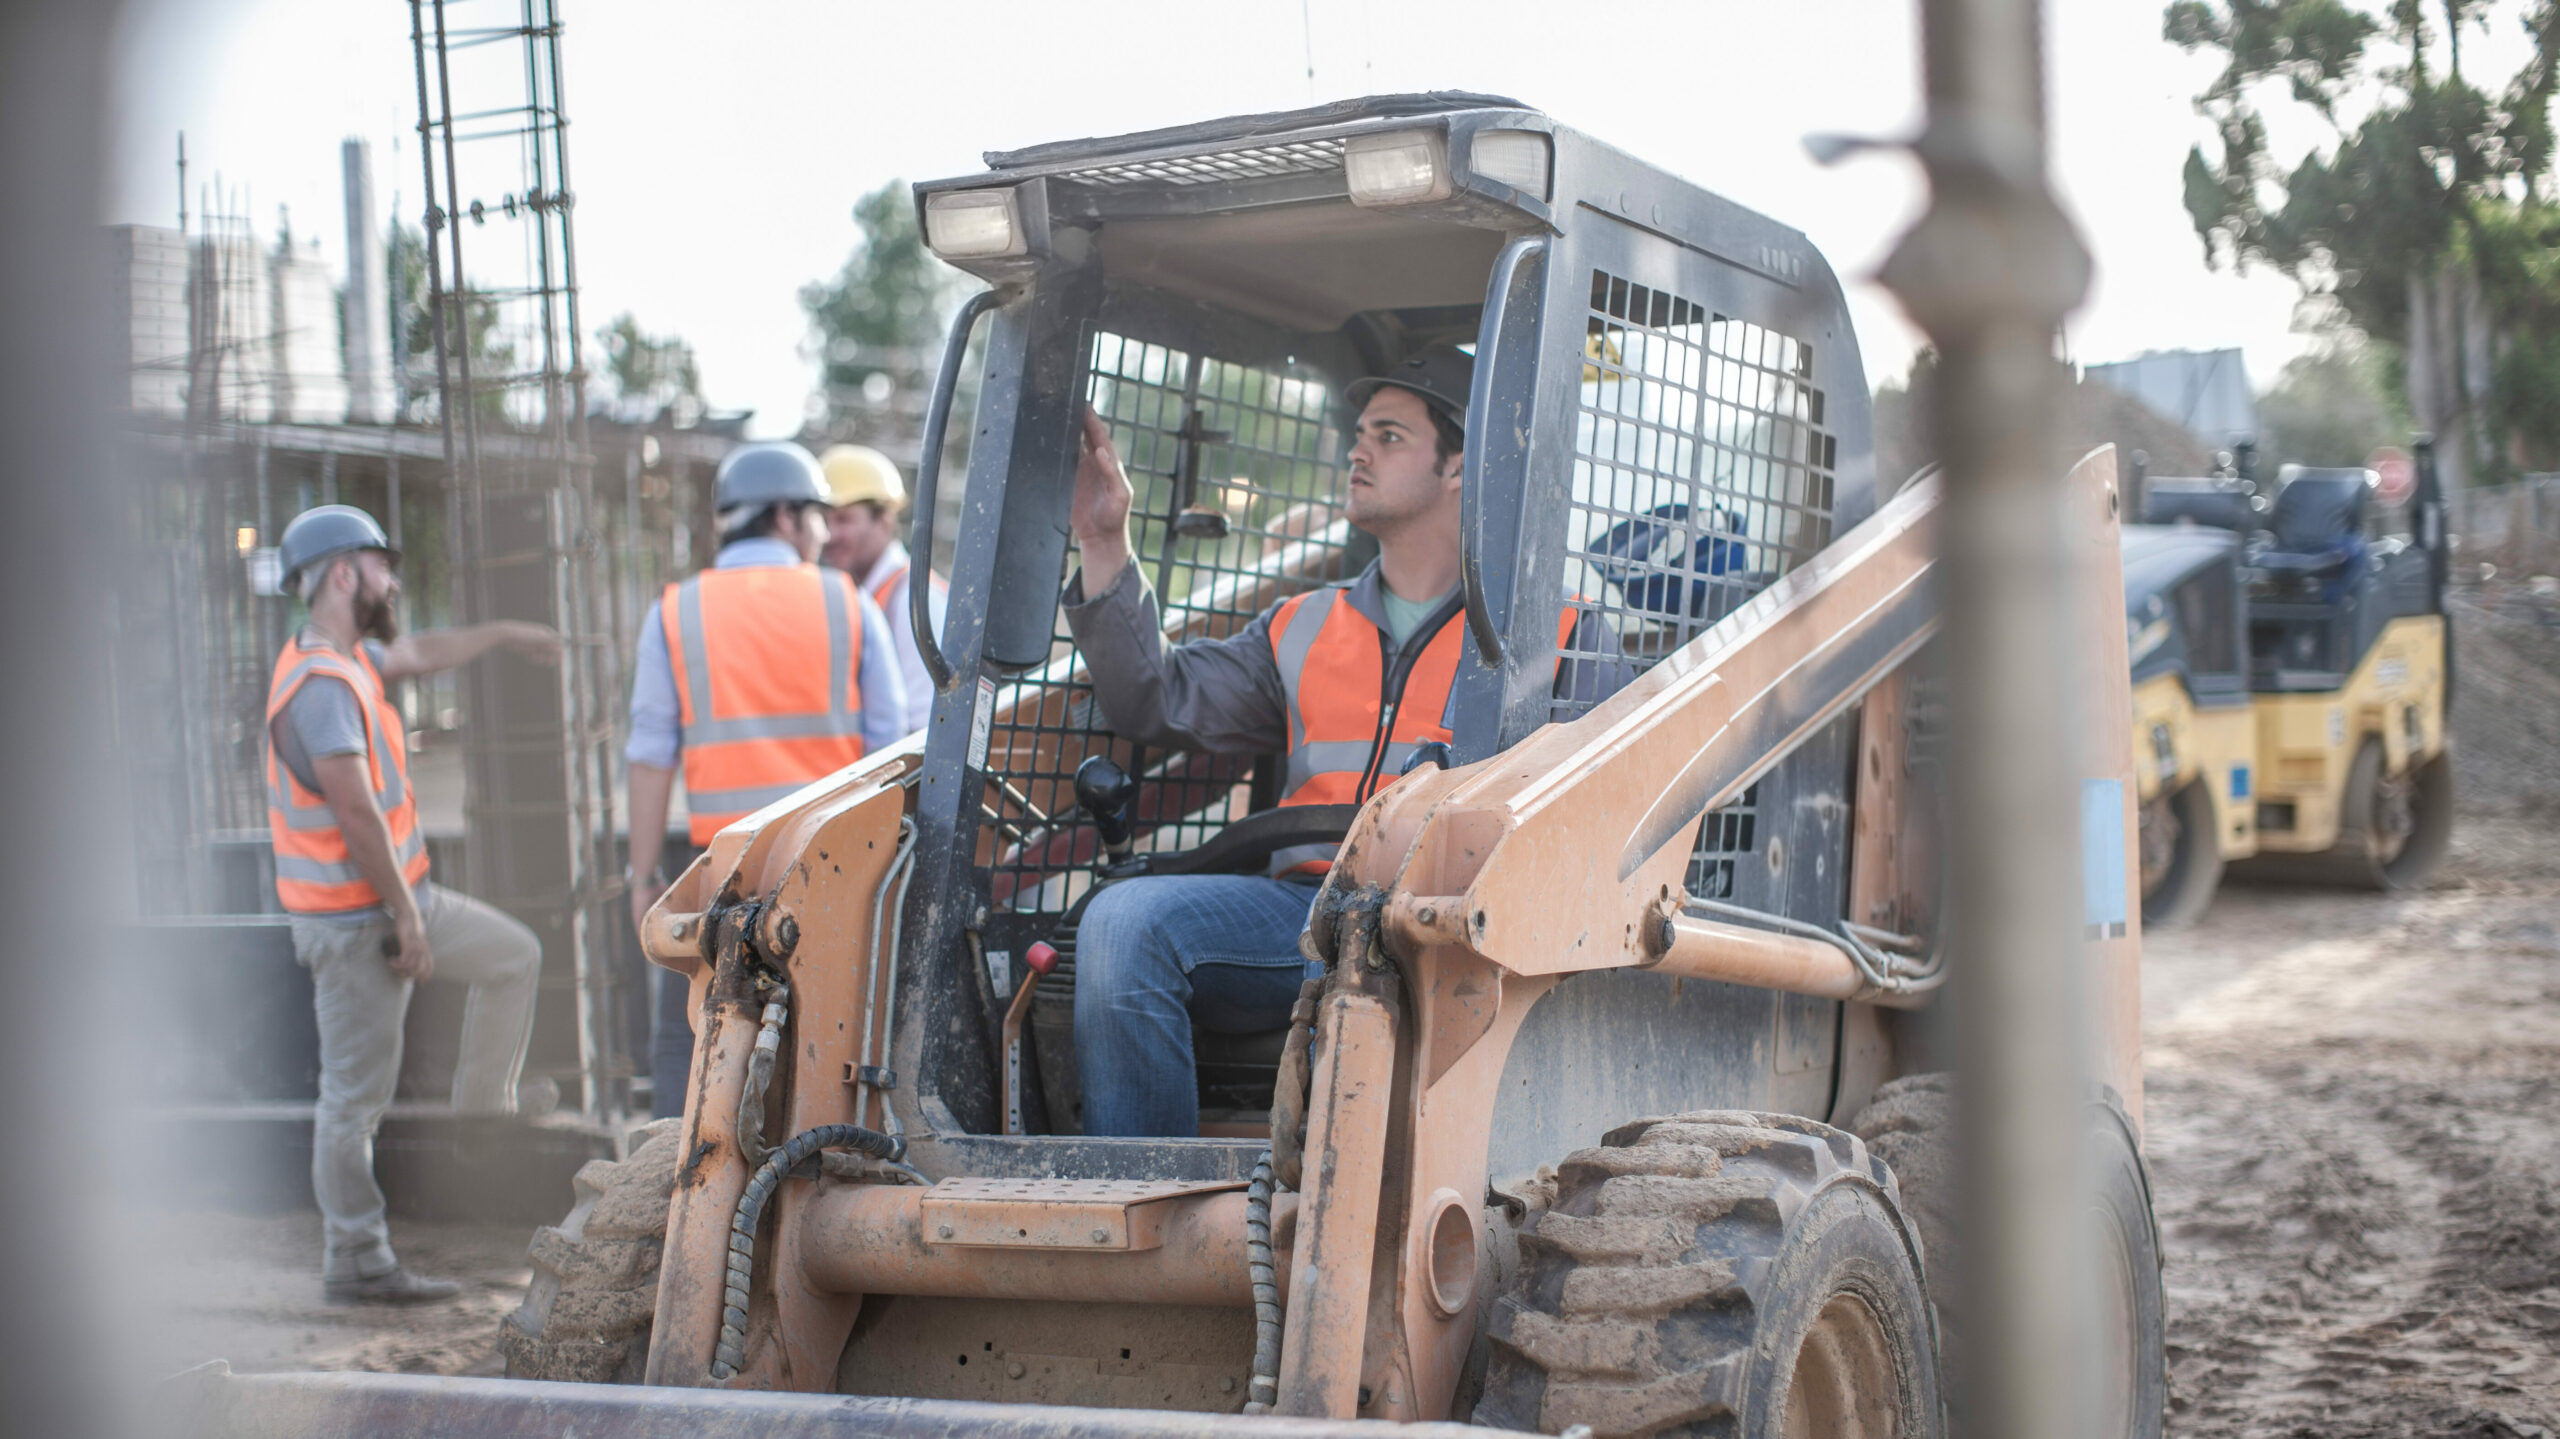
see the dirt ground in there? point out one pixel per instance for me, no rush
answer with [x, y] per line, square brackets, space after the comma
[2354, 1109]
[2354, 1133]
[246, 1288]
[2353, 1126]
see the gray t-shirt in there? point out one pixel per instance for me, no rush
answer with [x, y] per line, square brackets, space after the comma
[322, 719]
[1404, 614]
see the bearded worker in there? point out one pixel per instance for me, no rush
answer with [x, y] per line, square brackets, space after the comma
[351, 871]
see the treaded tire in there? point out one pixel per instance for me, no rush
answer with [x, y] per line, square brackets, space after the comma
[2180, 896]
[595, 1273]
[1689, 1279]
[1910, 1125]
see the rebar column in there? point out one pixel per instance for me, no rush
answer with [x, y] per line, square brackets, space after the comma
[1989, 272]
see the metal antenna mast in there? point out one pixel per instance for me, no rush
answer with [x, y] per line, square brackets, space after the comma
[520, 514]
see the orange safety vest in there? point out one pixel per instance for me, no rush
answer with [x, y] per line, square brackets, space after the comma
[314, 874]
[882, 592]
[1351, 726]
[761, 715]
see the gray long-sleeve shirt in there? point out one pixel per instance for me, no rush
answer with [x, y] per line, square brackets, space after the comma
[1225, 695]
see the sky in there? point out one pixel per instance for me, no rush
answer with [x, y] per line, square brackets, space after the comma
[717, 149]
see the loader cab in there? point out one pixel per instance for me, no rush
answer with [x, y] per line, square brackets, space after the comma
[1669, 411]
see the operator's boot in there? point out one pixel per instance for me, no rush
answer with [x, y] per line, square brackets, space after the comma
[399, 1286]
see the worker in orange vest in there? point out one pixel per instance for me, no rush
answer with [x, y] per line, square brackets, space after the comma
[1348, 682]
[865, 497]
[351, 871]
[757, 675]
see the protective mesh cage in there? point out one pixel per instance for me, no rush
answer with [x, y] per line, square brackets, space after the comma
[1238, 505]
[1296, 157]
[1701, 472]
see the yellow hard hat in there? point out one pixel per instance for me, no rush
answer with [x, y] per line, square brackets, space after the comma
[858, 472]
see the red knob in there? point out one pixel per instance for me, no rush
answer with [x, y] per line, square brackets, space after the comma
[1041, 956]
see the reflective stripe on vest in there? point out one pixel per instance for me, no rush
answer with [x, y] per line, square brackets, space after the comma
[314, 872]
[761, 715]
[1348, 736]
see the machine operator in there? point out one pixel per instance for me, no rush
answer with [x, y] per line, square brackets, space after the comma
[1345, 681]
[758, 675]
[351, 871]
[865, 497]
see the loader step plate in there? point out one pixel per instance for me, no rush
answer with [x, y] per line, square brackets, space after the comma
[1087, 1214]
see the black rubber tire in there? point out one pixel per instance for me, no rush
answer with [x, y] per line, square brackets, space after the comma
[1673, 1285]
[1910, 1125]
[595, 1273]
[2179, 897]
[2122, 1196]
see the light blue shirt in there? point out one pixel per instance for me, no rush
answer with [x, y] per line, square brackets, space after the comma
[910, 659]
[657, 725]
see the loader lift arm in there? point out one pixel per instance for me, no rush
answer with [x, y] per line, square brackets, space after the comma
[1599, 808]
[1463, 897]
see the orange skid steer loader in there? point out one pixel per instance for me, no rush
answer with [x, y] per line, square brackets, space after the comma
[1620, 1102]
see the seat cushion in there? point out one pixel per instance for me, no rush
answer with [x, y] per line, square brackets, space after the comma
[1258, 1049]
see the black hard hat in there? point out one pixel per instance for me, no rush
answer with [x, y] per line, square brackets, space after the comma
[778, 473]
[325, 532]
[1441, 374]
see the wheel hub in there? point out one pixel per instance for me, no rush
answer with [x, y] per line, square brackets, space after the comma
[2395, 816]
[1844, 1386]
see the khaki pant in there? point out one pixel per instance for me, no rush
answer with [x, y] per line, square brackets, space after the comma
[361, 1005]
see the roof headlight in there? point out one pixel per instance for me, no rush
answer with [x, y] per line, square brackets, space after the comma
[973, 224]
[1401, 167]
[1521, 159]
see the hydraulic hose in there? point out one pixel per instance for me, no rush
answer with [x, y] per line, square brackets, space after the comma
[1883, 971]
[751, 1115]
[1265, 1388]
[1289, 1093]
[742, 1229]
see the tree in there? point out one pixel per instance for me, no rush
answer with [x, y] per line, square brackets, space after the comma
[883, 312]
[2418, 224]
[413, 328]
[2330, 407]
[649, 373]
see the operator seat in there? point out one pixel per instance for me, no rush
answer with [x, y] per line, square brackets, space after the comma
[2315, 531]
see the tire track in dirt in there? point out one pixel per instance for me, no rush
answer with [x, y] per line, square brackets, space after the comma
[2354, 1110]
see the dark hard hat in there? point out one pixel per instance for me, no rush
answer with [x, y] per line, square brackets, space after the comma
[779, 473]
[325, 532]
[1441, 374]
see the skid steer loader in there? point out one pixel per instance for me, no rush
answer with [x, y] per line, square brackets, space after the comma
[1619, 1103]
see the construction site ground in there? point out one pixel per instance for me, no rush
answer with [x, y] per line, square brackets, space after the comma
[2353, 1127]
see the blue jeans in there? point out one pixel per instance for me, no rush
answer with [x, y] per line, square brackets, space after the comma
[1155, 957]
[670, 1044]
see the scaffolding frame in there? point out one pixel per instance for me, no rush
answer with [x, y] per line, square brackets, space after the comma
[521, 517]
